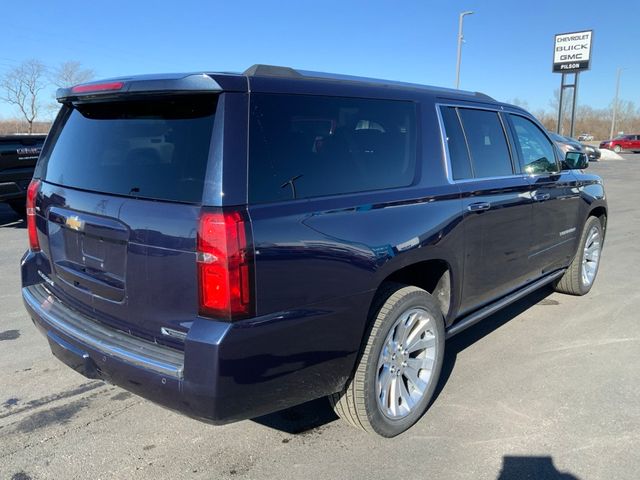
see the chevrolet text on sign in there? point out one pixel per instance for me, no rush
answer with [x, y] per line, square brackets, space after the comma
[572, 51]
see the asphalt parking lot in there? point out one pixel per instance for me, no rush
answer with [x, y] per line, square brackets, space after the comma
[549, 388]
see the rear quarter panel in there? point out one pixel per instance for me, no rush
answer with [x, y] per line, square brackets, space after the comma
[322, 253]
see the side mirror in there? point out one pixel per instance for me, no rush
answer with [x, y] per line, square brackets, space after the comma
[576, 160]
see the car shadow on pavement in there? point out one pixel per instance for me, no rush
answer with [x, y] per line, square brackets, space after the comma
[301, 418]
[310, 415]
[9, 218]
[539, 468]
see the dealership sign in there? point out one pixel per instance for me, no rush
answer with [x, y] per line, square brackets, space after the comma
[572, 52]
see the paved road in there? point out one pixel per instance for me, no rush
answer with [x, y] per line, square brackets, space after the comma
[550, 385]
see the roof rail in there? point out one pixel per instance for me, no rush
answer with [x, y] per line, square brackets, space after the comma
[284, 72]
[485, 96]
[271, 71]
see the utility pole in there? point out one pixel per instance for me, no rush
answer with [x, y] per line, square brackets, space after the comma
[615, 103]
[460, 40]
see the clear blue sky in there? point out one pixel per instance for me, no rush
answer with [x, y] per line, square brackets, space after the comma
[507, 53]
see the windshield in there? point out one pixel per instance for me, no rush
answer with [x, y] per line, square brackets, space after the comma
[154, 149]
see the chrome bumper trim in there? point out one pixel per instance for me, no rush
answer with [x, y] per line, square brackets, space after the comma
[141, 353]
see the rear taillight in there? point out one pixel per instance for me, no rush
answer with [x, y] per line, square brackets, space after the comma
[32, 191]
[225, 263]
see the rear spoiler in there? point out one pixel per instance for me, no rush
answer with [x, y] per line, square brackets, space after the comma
[144, 84]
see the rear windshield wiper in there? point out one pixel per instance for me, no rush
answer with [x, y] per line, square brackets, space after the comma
[291, 182]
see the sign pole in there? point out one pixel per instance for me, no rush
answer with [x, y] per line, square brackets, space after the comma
[574, 103]
[559, 126]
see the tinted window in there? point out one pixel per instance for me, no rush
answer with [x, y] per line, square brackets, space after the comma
[308, 146]
[487, 143]
[152, 149]
[458, 153]
[534, 147]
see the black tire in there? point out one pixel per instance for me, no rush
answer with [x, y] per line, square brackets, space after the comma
[357, 403]
[572, 282]
[617, 149]
[19, 206]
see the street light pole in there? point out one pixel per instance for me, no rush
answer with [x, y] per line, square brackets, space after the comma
[460, 39]
[615, 104]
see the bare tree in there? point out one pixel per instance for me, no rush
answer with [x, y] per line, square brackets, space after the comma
[627, 117]
[71, 73]
[548, 119]
[596, 121]
[23, 88]
[567, 101]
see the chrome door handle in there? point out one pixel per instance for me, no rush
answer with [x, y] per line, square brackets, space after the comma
[541, 197]
[479, 207]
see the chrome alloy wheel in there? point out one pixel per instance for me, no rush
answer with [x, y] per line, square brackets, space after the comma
[406, 362]
[591, 256]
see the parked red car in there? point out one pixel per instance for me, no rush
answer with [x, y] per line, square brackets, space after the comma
[622, 142]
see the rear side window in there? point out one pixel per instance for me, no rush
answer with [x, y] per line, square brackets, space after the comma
[487, 143]
[310, 146]
[458, 153]
[157, 148]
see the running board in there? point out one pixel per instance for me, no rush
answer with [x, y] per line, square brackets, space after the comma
[492, 308]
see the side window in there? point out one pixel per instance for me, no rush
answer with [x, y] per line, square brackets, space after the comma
[458, 153]
[535, 149]
[303, 146]
[487, 143]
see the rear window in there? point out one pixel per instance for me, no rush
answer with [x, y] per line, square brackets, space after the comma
[155, 149]
[311, 146]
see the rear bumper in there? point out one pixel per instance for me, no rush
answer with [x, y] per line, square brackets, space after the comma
[227, 371]
[57, 318]
[149, 370]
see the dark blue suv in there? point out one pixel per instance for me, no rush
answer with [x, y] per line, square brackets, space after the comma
[228, 245]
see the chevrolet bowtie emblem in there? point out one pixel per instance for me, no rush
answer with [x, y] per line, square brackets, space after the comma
[74, 223]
